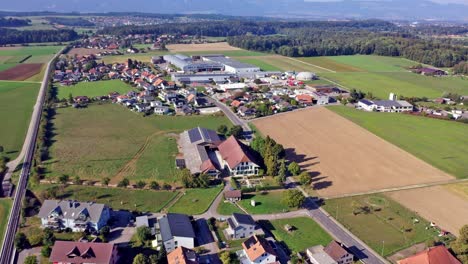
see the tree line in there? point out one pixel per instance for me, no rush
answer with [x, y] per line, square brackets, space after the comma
[71, 21]
[13, 36]
[14, 22]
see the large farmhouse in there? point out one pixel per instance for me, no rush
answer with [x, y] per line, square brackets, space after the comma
[203, 151]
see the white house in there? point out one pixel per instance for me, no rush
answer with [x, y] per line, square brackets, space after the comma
[256, 250]
[176, 231]
[75, 215]
[161, 110]
[366, 105]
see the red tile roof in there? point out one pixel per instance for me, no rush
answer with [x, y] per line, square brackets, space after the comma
[256, 246]
[82, 252]
[234, 152]
[434, 255]
[233, 194]
[207, 165]
[335, 251]
[304, 98]
[182, 255]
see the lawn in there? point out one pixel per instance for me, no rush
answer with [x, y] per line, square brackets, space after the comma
[380, 222]
[16, 105]
[116, 198]
[258, 62]
[227, 208]
[401, 83]
[195, 201]
[441, 143]
[93, 89]
[5, 206]
[373, 63]
[306, 233]
[111, 141]
[266, 203]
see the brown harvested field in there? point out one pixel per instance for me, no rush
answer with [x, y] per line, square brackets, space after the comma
[84, 51]
[342, 157]
[21, 72]
[438, 204]
[219, 46]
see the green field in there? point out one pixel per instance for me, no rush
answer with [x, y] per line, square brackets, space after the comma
[111, 141]
[380, 222]
[195, 201]
[16, 105]
[227, 208]
[441, 143]
[306, 233]
[329, 63]
[32, 50]
[401, 83]
[266, 203]
[116, 198]
[258, 62]
[283, 63]
[373, 63]
[93, 89]
[7, 66]
[5, 206]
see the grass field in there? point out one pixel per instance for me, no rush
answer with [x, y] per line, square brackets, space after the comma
[116, 198]
[266, 203]
[195, 201]
[5, 206]
[32, 50]
[380, 222]
[329, 63]
[258, 62]
[306, 233]
[372, 63]
[443, 144]
[111, 141]
[227, 208]
[229, 53]
[402, 83]
[93, 89]
[281, 63]
[16, 103]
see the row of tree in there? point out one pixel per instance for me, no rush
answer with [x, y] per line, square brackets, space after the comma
[13, 36]
[461, 68]
[14, 22]
[71, 21]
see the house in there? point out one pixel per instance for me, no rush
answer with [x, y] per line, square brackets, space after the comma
[304, 99]
[156, 104]
[257, 250]
[176, 231]
[433, 255]
[182, 255]
[391, 106]
[236, 103]
[161, 110]
[233, 196]
[317, 255]
[245, 111]
[75, 215]
[339, 253]
[69, 252]
[321, 98]
[237, 158]
[366, 105]
[81, 99]
[430, 72]
[201, 102]
[240, 226]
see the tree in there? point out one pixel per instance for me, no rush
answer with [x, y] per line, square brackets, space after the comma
[236, 131]
[154, 185]
[45, 251]
[21, 241]
[294, 168]
[143, 233]
[63, 179]
[463, 237]
[271, 164]
[30, 260]
[222, 129]
[293, 198]
[225, 257]
[304, 178]
[167, 186]
[70, 98]
[141, 259]
[123, 183]
[104, 232]
[49, 237]
[105, 181]
[140, 184]
[77, 180]
[1, 149]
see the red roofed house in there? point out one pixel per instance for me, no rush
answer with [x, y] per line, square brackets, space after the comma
[238, 159]
[236, 103]
[257, 250]
[433, 255]
[339, 253]
[304, 99]
[67, 252]
[182, 255]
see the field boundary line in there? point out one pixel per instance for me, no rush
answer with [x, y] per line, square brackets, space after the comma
[310, 64]
[403, 188]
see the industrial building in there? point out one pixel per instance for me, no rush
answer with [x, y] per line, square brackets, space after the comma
[204, 77]
[231, 65]
[187, 64]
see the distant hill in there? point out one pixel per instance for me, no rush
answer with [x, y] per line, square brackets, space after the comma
[384, 9]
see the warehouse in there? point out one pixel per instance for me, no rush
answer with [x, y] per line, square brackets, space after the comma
[186, 64]
[204, 78]
[231, 65]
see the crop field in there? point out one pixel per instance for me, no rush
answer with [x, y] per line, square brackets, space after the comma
[306, 233]
[218, 46]
[93, 89]
[444, 205]
[336, 152]
[380, 222]
[441, 143]
[5, 206]
[111, 141]
[16, 104]
[195, 201]
[284, 63]
[402, 83]
[372, 63]
[21, 72]
[6, 66]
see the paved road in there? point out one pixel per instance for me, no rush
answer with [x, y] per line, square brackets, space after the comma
[8, 250]
[234, 118]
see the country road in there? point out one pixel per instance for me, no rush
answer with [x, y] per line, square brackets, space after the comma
[7, 254]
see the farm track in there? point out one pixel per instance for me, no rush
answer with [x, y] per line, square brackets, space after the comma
[130, 167]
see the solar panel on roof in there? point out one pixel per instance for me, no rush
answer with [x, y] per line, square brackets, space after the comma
[194, 135]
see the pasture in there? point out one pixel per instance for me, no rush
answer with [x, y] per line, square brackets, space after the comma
[93, 89]
[195, 201]
[110, 141]
[380, 222]
[335, 151]
[331, 64]
[266, 203]
[441, 143]
[5, 206]
[282, 63]
[372, 63]
[16, 105]
[306, 233]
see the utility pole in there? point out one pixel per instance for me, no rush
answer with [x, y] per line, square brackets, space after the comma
[383, 246]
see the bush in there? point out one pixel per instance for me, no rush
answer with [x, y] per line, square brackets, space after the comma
[123, 183]
[45, 251]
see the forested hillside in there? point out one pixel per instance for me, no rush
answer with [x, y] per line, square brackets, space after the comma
[13, 36]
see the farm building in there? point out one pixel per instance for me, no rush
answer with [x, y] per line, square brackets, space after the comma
[203, 78]
[231, 65]
[385, 106]
[438, 254]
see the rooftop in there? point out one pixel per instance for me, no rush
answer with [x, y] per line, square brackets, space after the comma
[433, 255]
[72, 209]
[172, 225]
[81, 252]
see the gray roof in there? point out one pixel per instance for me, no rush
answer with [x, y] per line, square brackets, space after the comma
[229, 62]
[366, 102]
[142, 221]
[243, 219]
[387, 103]
[172, 225]
[404, 103]
[71, 209]
[202, 135]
